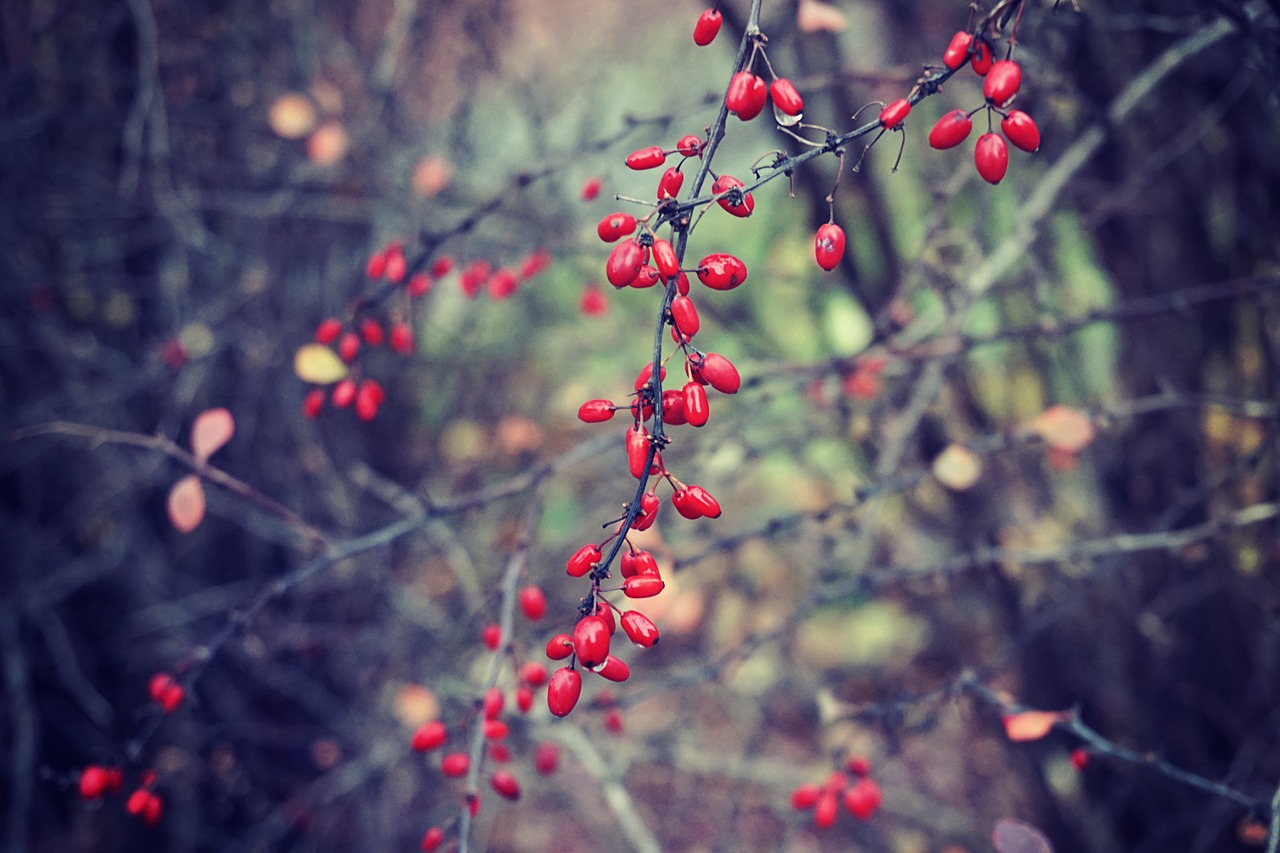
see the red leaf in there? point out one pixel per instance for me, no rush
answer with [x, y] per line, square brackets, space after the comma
[213, 428]
[1016, 836]
[186, 504]
[1031, 725]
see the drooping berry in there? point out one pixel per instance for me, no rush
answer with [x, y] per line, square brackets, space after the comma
[673, 408]
[397, 266]
[981, 61]
[646, 158]
[642, 586]
[858, 765]
[625, 262]
[615, 226]
[828, 246]
[640, 629]
[721, 271]
[146, 805]
[685, 316]
[376, 268]
[664, 258]
[591, 189]
[670, 183]
[166, 692]
[428, 736]
[591, 640]
[646, 277]
[559, 647]
[958, 51]
[583, 560]
[707, 27]
[740, 204]
[418, 284]
[1021, 130]
[895, 113]
[614, 669]
[718, 372]
[596, 411]
[506, 785]
[533, 673]
[952, 129]
[785, 97]
[991, 156]
[689, 146]
[455, 764]
[1002, 82]
[637, 563]
[637, 451]
[502, 284]
[563, 691]
[746, 95]
[696, 408]
[491, 704]
[646, 373]
[649, 506]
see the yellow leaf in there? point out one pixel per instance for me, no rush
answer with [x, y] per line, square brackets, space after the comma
[319, 365]
[186, 504]
[292, 116]
[1063, 428]
[1031, 725]
[213, 428]
[957, 467]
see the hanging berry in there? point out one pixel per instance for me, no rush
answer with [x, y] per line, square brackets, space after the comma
[991, 156]
[707, 27]
[828, 246]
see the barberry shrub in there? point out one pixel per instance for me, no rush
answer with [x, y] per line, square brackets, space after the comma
[757, 426]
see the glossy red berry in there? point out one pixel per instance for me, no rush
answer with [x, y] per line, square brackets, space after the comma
[563, 691]
[863, 798]
[432, 839]
[958, 51]
[689, 146]
[615, 226]
[614, 669]
[695, 502]
[991, 156]
[746, 95]
[640, 629]
[646, 373]
[583, 560]
[647, 277]
[455, 764]
[313, 403]
[328, 330]
[721, 271]
[707, 27]
[546, 758]
[596, 411]
[646, 158]
[684, 314]
[895, 113]
[738, 203]
[981, 60]
[428, 736]
[718, 372]
[1021, 130]
[637, 451]
[559, 647]
[1002, 82]
[642, 586]
[533, 603]
[670, 183]
[673, 408]
[506, 785]
[952, 129]
[625, 262]
[591, 640]
[664, 258]
[785, 97]
[696, 408]
[649, 506]
[828, 246]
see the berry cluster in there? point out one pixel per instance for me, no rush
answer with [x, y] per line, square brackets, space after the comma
[1002, 80]
[861, 798]
[97, 781]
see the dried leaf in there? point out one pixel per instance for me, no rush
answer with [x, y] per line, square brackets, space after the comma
[292, 116]
[213, 429]
[957, 467]
[319, 365]
[1031, 725]
[1016, 836]
[814, 17]
[1064, 428]
[186, 504]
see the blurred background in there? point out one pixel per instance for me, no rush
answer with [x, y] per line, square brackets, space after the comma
[190, 188]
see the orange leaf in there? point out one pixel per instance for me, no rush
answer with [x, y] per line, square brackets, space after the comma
[186, 504]
[213, 428]
[1064, 428]
[1031, 725]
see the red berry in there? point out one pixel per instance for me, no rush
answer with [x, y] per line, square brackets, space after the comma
[958, 51]
[785, 97]
[166, 692]
[637, 451]
[491, 636]
[895, 113]
[429, 736]
[858, 765]
[146, 805]
[533, 673]
[707, 26]
[707, 505]
[1002, 82]
[729, 201]
[664, 258]
[563, 691]
[614, 669]
[605, 611]
[981, 61]
[524, 699]
[684, 314]
[343, 393]
[615, 226]
[328, 330]
[689, 146]
[952, 129]
[313, 403]
[642, 586]
[593, 303]
[1021, 130]
[825, 809]
[591, 640]
[624, 263]
[646, 373]
[349, 346]
[1079, 759]
[670, 183]
[94, 781]
[455, 764]
[583, 560]
[682, 284]
[673, 408]
[396, 264]
[613, 720]
[596, 411]
[546, 758]
[502, 285]
[637, 563]
[696, 408]
[863, 799]
[495, 730]
[646, 277]
[401, 338]
[491, 704]
[640, 629]
[559, 647]
[432, 839]
[649, 506]
[533, 604]
[718, 372]
[991, 156]
[442, 266]
[591, 189]
[721, 271]
[418, 285]
[746, 96]
[534, 263]
[376, 268]
[805, 797]
[369, 398]
[646, 158]
[828, 246]
[506, 785]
